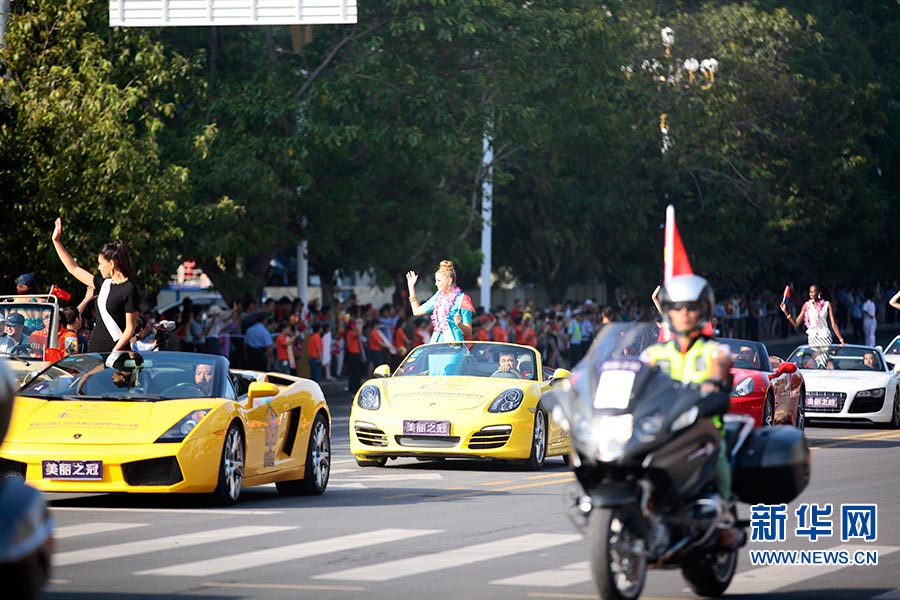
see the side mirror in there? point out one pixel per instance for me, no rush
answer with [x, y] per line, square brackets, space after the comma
[561, 374]
[259, 390]
[774, 361]
[382, 371]
[785, 367]
[893, 367]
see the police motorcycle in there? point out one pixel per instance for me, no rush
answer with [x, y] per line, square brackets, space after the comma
[26, 530]
[644, 453]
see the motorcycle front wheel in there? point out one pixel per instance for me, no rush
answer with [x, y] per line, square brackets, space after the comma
[618, 551]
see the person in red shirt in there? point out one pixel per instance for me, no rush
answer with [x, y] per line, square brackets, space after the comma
[354, 357]
[284, 351]
[529, 335]
[401, 344]
[421, 334]
[314, 349]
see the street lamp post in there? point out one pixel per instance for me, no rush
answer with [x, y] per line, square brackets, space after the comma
[682, 73]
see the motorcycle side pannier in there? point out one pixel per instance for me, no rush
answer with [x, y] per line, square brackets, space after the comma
[773, 466]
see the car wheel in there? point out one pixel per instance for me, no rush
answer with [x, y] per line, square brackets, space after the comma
[318, 464]
[231, 468]
[768, 417]
[895, 414]
[371, 462]
[538, 442]
[801, 411]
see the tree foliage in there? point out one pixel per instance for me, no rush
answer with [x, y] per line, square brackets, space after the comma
[227, 145]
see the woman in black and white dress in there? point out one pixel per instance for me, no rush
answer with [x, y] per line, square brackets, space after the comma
[117, 294]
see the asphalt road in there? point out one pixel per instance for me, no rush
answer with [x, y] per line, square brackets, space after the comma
[458, 529]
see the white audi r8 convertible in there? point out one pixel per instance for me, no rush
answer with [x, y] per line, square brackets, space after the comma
[850, 382]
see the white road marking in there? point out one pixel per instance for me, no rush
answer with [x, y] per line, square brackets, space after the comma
[269, 556]
[891, 595]
[347, 486]
[172, 511]
[165, 543]
[767, 579]
[397, 477]
[562, 577]
[452, 558]
[91, 528]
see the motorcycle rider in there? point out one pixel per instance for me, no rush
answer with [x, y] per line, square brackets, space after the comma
[687, 303]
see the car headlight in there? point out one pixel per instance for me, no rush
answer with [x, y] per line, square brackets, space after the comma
[686, 419]
[876, 393]
[609, 434]
[649, 427]
[507, 401]
[369, 398]
[182, 428]
[744, 388]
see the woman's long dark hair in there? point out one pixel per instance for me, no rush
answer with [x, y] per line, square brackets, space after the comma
[117, 252]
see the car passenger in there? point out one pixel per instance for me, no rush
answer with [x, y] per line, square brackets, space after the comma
[506, 366]
[203, 376]
[869, 361]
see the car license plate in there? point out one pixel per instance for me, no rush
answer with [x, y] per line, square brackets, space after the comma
[80, 470]
[426, 427]
[822, 402]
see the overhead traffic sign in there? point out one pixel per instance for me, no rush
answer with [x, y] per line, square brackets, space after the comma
[173, 13]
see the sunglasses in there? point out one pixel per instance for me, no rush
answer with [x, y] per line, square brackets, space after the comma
[690, 306]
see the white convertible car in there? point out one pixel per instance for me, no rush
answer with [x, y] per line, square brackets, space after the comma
[850, 383]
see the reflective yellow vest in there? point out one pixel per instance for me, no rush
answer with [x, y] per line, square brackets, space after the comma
[694, 366]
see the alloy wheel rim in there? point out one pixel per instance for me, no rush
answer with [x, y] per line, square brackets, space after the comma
[321, 456]
[234, 464]
[539, 444]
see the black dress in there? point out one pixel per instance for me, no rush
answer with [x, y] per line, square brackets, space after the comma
[113, 301]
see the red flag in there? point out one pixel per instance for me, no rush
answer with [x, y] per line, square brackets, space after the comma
[787, 294]
[60, 293]
[675, 258]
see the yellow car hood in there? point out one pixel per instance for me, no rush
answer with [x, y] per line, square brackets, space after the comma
[452, 393]
[99, 422]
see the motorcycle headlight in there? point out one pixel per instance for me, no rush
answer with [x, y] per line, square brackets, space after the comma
[649, 427]
[744, 388]
[686, 419]
[876, 393]
[369, 398]
[507, 401]
[609, 434]
[182, 428]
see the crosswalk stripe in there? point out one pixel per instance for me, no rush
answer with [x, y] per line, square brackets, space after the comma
[165, 543]
[91, 528]
[562, 577]
[452, 558]
[223, 564]
[767, 579]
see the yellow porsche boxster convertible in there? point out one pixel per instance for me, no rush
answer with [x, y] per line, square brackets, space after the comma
[458, 400]
[167, 422]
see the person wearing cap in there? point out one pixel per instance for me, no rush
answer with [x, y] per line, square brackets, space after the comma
[26, 284]
[14, 324]
[686, 303]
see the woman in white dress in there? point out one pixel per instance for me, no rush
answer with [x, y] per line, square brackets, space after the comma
[815, 314]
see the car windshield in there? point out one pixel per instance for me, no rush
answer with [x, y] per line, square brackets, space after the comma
[130, 376]
[894, 348]
[746, 354]
[471, 359]
[28, 329]
[837, 358]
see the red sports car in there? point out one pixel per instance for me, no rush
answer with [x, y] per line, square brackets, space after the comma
[766, 388]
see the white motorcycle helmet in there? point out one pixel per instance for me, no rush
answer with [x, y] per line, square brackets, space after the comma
[687, 288]
[8, 389]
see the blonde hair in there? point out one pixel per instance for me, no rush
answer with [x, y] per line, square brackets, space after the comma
[447, 269]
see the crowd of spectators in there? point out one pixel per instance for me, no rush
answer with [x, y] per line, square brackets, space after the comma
[349, 339]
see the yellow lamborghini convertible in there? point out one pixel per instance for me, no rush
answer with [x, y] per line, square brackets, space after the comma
[458, 400]
[167, 422]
